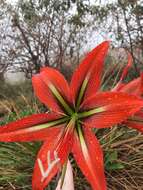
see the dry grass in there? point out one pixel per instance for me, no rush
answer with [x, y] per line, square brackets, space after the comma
[123, 150]
[17, 160]
[130, 151]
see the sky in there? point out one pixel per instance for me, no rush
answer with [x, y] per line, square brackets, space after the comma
[93, 39]
[97, 36]
[92, 1]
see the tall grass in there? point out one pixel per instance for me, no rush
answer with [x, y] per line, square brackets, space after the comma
[123, 147]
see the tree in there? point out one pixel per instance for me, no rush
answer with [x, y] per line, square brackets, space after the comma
[123, 22]
[45, 33]
[3, 27]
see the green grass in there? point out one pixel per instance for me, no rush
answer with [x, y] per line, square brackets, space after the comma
[123, 149]
[123, 155]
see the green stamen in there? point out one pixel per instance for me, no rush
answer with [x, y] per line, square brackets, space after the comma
[91, 112]
[72, 120]
[69, 128]
[81, 93]
[61, 100]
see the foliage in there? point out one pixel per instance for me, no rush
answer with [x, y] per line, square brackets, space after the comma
[67, 32]
[85, 138]
[111, 162]
[122, 21]
[8, 91]
[43, 33]
[17, 161]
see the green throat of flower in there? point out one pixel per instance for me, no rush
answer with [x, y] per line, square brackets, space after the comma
[72, 116]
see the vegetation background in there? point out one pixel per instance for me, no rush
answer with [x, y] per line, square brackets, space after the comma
[37, 33]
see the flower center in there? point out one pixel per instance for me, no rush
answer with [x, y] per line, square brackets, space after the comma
[75, 115]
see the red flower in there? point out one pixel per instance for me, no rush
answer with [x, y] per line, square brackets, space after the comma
[134, 87]
[75, 110]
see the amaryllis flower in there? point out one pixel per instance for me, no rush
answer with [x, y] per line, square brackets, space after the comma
[134, 87]
[75, 109]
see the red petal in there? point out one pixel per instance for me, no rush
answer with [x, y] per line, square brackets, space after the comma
[127, 67]
[24, 129]
[90, 69]
[62, 145]
[119, 85]
[135, 125]
[115, 108]
[41, 83]
[53, 76]
[141, 84]
[90, 159]
[132, 87]
[136, 121]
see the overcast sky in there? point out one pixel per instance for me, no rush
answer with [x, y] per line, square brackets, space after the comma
[97, 36]
[93, 40]
[91, 1]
